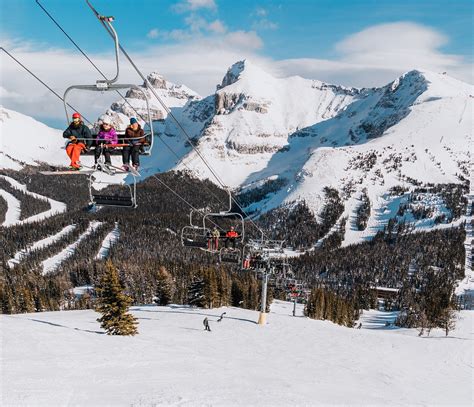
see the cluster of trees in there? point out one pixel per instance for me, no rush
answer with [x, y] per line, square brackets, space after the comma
[258, 194]
[153, 266]
[29, 205]
[327, 305]
[426, 301]
[453, 196]
[296, 224]
[363, 211]
[3, 210]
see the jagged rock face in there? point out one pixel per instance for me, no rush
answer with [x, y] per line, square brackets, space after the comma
[225, 101]
[156, 80]
[232, 74]
[171, 94]
[393, 106]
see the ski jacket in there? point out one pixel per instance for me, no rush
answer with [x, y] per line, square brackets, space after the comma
[107, 137]
[232, 234]
[81, 132]
[137, 135]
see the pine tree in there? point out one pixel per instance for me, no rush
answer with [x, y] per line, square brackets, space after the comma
[236, 294]
[196, 292]
[210, 288]
[164, 287]
[113, 304]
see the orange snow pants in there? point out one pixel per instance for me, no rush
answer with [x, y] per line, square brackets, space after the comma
[74, 150]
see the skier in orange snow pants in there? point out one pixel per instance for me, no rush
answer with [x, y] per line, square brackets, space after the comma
[74, 150]
[76, 132]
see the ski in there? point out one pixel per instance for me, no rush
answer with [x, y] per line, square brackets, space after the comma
[66, 172]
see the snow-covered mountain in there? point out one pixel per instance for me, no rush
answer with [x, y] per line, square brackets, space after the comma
[303, 135]
[23, 140]
[134, 104]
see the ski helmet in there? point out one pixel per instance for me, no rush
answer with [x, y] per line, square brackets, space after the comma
[76, 116]
[105, 119]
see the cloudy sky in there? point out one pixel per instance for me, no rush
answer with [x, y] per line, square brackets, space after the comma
[359, 43]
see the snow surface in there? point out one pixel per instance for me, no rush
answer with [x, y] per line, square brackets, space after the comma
[13, 216]
[24, 140]
[62, 358]
[52, 263]
[13, 209]
[108, 242]
[40, 244]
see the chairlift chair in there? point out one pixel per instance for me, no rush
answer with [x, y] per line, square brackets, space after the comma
[107, 85]
[128, 200]
[195, 236]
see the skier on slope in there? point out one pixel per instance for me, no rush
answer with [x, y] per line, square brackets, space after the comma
[206, 325]
[80, 139]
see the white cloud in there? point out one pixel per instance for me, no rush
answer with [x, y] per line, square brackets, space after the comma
[244, 40]
[217, 27]
[264, 24]
[152, 34]
[192, 5]
[4, 93]
[378, 54]
[368, 58]
[261, 12]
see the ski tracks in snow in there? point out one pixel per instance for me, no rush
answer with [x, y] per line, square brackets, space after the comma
[40, 244]
[51, 264]
[12, 216]
[13, 212]
[108, 242]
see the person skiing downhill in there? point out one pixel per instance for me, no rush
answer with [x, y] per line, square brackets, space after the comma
[106, 136]
[206, 325]
[80, 139]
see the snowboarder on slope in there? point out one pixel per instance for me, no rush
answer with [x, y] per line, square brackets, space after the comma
[206, 325]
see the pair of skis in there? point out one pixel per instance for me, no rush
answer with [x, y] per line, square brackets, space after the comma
[108, 169]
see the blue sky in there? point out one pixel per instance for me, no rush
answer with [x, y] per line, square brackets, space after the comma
[194, 41]
[290, 29]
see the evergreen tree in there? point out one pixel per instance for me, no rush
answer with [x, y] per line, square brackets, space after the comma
[196, 292]
[236, 294]
[113, 304]
[165, 287]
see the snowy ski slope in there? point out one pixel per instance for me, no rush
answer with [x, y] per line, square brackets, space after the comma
[292, 361]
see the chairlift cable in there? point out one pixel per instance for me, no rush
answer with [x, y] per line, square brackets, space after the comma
[118, 92]
[170, 113]
[86, 56]
[184, 200]
[41, 81]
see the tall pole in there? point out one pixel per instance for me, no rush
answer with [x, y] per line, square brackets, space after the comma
[262, 319]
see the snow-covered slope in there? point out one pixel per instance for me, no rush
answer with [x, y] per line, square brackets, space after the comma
[62, 358]
[134, 105]
[249, 118]
[304, 135]
[24, 140]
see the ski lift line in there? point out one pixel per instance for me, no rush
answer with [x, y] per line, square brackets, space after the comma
[185, 201]
[170, 113]
[103, 75]
[41, 81]
[91, 62]
[148, 85]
